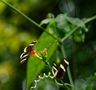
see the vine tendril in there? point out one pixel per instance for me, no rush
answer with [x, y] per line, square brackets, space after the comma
[41, 78]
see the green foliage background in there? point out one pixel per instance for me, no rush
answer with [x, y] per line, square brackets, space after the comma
[16, 33]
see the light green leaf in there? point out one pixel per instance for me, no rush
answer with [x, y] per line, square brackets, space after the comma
[45, 21]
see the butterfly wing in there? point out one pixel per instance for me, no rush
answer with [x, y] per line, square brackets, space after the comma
[58, 73]
[27, 51]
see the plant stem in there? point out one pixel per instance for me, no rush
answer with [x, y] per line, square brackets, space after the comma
[71, 32]
[63, 84]
[90, 19]
[62, 50]
[18, 11]
[67, 35]
[70, 77]
[68, 69]
[29, 19]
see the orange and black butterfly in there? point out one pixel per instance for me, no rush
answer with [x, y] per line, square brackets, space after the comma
[27, 50]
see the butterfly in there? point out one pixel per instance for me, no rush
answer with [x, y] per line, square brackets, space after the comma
[58, 73]
[27, 50]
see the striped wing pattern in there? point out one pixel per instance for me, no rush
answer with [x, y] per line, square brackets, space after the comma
[27, 50]
[58, 73]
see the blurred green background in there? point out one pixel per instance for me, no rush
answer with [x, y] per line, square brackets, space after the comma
[16, 32]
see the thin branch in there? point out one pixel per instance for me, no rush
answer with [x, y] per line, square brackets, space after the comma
[90, 19]
[70, 77]
[29, 19]
[67, 35]
[68, 69]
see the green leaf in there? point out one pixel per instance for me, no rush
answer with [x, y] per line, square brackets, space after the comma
[34, 66]
[66, 24]
[45, 21]
[62, 23]
[77, 22]
[78, 37]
